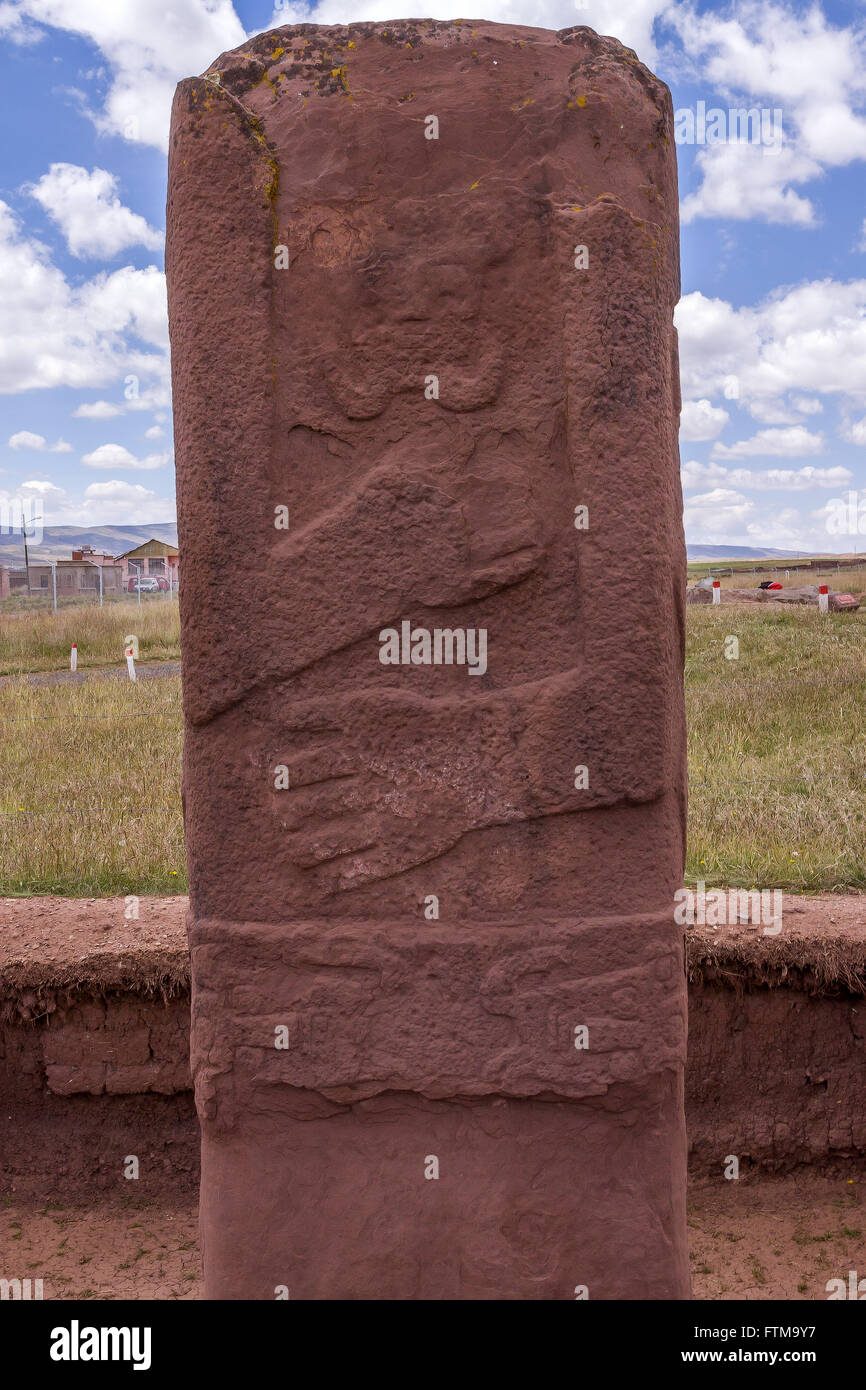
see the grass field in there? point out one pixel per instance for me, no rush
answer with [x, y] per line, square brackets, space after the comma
[90, 786]
[90, 792]
[777, 748]
[40, 640]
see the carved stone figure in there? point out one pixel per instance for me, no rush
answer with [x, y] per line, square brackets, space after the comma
[422, 278]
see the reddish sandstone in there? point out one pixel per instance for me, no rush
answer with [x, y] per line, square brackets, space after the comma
[472, 339]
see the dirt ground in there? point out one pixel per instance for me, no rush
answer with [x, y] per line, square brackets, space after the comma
[756, 1238]
[761, 1237]
[118, 1247]
[152, 670]
[776, 1237]
[66, 940]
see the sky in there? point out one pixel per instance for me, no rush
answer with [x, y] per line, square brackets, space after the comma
[772, 320]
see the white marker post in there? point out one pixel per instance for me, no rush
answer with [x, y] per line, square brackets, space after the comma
[823, 598]
[130, 664]
[73, 657]
[717, 591]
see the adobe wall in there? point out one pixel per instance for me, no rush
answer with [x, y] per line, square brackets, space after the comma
[94, 1043]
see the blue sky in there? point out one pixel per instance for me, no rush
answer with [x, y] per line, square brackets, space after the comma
[772, 321]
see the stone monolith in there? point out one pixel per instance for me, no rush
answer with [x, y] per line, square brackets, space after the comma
[421, 285]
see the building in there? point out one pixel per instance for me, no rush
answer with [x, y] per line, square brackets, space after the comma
[74, 577]
[152, 558]
[96, 557]
[80, 575]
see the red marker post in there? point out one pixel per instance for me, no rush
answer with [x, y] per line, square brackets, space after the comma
[717, 591]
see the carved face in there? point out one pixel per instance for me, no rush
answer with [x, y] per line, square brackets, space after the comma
[430, 314]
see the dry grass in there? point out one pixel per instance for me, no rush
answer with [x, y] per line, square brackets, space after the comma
[90, 793]
[41, 640]
[777, 748]
[777, 755]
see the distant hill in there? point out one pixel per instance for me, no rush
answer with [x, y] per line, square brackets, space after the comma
[743, 552]
[58, 542]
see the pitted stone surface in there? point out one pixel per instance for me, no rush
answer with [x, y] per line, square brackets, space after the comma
[430, 354]
[405, 1007]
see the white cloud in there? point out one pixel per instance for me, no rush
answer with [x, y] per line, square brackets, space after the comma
[773, 410]
[149, 47]
[855, 431]
[57, 334]
[715, 513]
[744, 181]
[102, 504]
[24, 439]
[116, 456]
[118, 501]
[793, 442]
[724, 516]
[811, 338]
[96, 410]
[701, 420]
[15, 27]
[89, 213]
[155, 432]
[777, 57]
[129, 300]
[770, 480]
[41, 486]
[789, 56]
